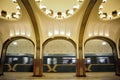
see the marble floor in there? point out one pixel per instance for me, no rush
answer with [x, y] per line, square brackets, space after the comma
[59, 76]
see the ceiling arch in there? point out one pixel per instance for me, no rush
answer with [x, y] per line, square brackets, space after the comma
[109, 14]
[11, 11]
[58, 38]
[61, 11]
[5, 46]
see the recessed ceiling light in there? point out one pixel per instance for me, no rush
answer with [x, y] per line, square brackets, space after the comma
[14, 43]
[119, 13]
[68, 34]
[50, 34]
[104, 1]
[8, 16]
[23, 33]
[62, 32]
[101, 33]
[28, 35]
[56, 32]
[101, 7]
[17, 33]
[18, 7]
[104, 43]
[100, 12]
[89, 35]
[110, 16]
[107, 35]
[14, 1]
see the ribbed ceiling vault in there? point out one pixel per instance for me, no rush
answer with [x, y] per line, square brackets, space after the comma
[68, 27]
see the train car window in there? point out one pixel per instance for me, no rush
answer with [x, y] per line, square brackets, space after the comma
[102, 60]
[73, 60]
[67, 60]
[49, 60]
[88, 60]
[15, 60]
[9, 60]
[25, 60]
[31, 60]
[54, 60]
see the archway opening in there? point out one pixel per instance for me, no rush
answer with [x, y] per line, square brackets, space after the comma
[59, 56]
[99, 56]
[19, 56]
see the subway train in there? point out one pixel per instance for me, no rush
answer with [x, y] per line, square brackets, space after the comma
[59, 63]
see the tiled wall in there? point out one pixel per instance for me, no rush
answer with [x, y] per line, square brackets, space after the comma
[95, 46]
[59, 47]
[23, 47]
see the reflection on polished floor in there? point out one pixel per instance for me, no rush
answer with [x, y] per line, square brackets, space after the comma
[59, 76]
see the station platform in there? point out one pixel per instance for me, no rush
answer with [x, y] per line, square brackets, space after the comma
[59, 76]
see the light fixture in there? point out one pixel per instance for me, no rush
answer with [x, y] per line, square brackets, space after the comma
[107, 15]
[104, 1]
[68, 34]
[18, 12]
[89, 35]
[100, 33]
[11, 15]
[70, 12]
[14, 43]
[17, 33]
[23, 33]
[104, 15]
[100, 12]
[38, 0]
[101, 7]
[8, 16]
[56, 32]
[28, 35]
[62, 32]
[18, 7]
[16, 16]
[106, 35]
[118, 13]
[76, 6]
[104, 43]
[11, 34]
[14, 1]
[110, 16]
[63, 15]
[95, 33]
[42, 6]
[80, 0]
[55, 14]
[50, 34]
[101, 16]
[48, 12]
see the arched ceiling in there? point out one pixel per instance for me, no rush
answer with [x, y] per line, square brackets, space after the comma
[20, 47]
[108, 12]
[61, 10]
[54, 47]
[14, 26]
[69, 27]
[97, 46]
[9, 9]
[97, 26]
